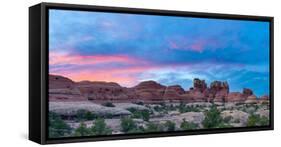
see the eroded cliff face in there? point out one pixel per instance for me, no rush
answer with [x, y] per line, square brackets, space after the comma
[64, 89]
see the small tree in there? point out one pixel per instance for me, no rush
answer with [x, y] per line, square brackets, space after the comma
[82, 130]
[212, 118]
[144, 114]
[99, 128]
[264, 121]
[83, 115]
[57, 127]
[185, 125]
[151, 127]
[127, 124]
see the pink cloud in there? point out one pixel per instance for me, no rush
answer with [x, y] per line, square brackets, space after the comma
[124, 76]
[198, 45]
[61, 58]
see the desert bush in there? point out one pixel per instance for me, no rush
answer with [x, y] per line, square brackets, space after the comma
[157, 108]
[212, 118]
[82, 130]
[99, 128]
[108, 104]
[185, 125]
[152, 127]
[162, 108]
[143, 114]
[83, 115]
[264, 121]
[183, 108]
[57, 127]
[170, 126]
[128, 125]
[256, 120]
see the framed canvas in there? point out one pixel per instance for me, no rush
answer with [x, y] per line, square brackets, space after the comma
[103, 73]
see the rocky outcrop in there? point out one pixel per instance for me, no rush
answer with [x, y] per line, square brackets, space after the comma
[173, 92]
[64, 89]
[71, 109]
[60, 82]
[150, 91]
[104, 91]
[199, 85]
[236, 116]
[218, 91]
[235, 97]
[247, 92]
[252, 99]
[195, 96]
[264, 99]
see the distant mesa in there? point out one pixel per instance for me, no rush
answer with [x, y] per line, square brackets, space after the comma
[64, 89]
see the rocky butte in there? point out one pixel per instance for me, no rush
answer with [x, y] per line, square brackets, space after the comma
[64, 89]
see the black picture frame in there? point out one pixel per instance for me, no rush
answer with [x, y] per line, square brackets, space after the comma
[38, 71]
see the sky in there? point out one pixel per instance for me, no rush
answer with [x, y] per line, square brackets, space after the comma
[130, 48]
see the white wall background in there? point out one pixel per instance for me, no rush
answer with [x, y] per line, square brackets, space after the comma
[14, 72]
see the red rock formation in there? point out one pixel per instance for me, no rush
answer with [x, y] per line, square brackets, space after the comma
[150, 91]
[264, 99]
[218, 91]
[251, 99]
[247, 92]
[63, 89]
[196, 96]
[197, 93]
[58, 82]
[199, 85]
[235, 97]
[103, 91]
[173, 92]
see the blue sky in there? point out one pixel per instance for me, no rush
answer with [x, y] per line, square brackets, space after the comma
[128, 49]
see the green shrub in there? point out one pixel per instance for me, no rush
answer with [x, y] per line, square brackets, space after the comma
[212, 118]
[57, 127]
[161, 108]
[99, 128]
[264, 121]
[188, 125]
[170, 126]
[143, 114]
[82, 130]
[83, 115]
[183, 108]
[128, 124]
[152, 127]
[108, 104]
[256, 120]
